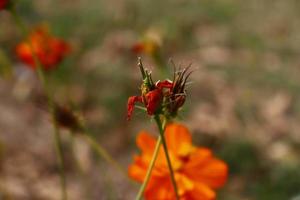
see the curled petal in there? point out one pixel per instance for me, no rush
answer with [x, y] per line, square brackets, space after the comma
[164, 84]
[154, 99]
[130, 105]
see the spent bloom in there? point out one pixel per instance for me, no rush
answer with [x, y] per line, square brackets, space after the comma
[3, 4]
[66, 118]
[163, 97]
[48, 49]
[197, 172]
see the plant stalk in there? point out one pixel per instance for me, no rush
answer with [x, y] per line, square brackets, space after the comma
[160, 140]
[172, 174]
[57, 139]
[149, 170]
[103, 153]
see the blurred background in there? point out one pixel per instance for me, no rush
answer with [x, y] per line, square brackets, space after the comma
[243, 100]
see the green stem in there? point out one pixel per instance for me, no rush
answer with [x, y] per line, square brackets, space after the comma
[149, 170]
[160, 140]
[172, 174]
[103, 153]
[41, 76]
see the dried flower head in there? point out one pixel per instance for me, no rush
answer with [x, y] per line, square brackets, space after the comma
[66, 118]
[197, 172]
[48, 49]
[176, 95]
[163, 97]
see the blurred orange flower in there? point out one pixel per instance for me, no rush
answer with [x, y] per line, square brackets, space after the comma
[48, 49]
[3, 4]
[149, 47]
[150, 43]
[197, 171]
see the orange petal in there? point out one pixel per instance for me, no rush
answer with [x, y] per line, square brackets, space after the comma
[204, 168]
[199, 157]
[184, 184]
[145, 142]
[160, 189]
[201, 192]
[137, 172]
[25, 54]
[179, 139]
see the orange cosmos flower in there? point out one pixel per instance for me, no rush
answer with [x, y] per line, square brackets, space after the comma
[48, 49]
[197, 171]
[3, 4]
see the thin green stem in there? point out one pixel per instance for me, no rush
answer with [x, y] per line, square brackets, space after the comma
[172, 174]
[149, 170]
[160, 140]
[103, 153]
[57, 139]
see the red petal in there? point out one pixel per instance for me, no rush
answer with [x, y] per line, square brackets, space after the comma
[153, 99]
[164, 84]
[130, 105]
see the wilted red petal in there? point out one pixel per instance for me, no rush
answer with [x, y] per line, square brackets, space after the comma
[164, 84]
[130, 105]
[153, 99]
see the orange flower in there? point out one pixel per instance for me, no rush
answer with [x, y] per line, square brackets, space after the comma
[146, 46]
[48, 49]
[3, 4]
[197, 171]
